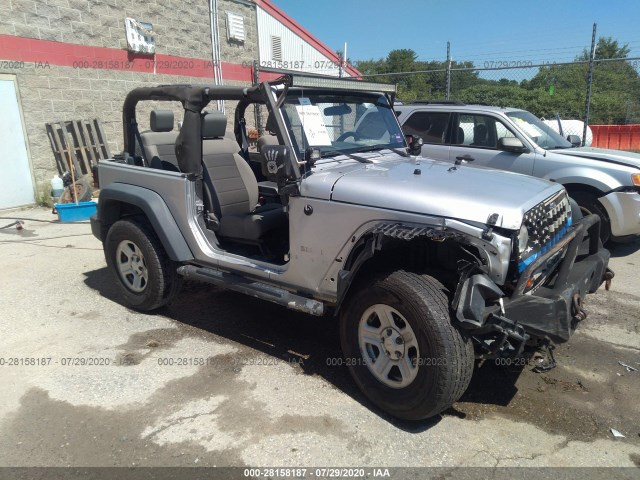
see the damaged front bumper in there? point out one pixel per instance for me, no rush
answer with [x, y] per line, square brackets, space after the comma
[550, 311]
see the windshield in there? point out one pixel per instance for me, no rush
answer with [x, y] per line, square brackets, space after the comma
[340, 123]
[538, 131]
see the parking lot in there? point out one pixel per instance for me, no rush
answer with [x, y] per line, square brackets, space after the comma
[219, 379]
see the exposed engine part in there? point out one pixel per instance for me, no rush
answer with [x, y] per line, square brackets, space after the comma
[500, 337]
[407, 232]
[544, 358]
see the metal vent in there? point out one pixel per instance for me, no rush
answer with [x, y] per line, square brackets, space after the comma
[235, 27]
[276, 48]
[546, 224]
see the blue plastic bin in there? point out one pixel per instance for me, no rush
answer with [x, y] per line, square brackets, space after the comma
[70, 212]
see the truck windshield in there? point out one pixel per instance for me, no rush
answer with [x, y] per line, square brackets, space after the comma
[538, 131]
[340, 123]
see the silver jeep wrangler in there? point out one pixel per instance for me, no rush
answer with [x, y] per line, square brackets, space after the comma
[428, 265]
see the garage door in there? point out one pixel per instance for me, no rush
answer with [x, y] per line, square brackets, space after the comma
[16, 182]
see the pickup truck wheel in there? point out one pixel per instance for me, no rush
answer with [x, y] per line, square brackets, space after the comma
[589, 204]
[401, 347]
[146, 277]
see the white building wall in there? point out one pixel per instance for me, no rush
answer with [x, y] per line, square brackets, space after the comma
[297, 54]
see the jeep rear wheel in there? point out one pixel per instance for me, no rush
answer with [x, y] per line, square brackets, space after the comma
[146, 277]
[401, 347]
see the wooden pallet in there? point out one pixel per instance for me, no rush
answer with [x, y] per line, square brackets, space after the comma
[82, 140]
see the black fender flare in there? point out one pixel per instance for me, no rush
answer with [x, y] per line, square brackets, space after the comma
[362, 251]
[153, 206]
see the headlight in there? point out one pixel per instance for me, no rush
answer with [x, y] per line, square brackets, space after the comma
[523, 239]
[635, 179]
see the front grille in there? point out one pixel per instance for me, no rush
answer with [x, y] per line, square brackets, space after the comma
[546, 224]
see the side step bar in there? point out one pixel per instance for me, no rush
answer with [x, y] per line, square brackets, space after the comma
[254, 288]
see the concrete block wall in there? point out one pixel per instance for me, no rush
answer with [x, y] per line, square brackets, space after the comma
[58, 86]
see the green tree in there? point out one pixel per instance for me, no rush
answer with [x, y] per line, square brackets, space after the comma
[606, 48]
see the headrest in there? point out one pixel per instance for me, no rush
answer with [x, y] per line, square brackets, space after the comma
[480, 129]
[161, 120]
[214, 125]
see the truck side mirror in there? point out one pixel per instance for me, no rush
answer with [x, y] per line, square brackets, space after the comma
[512, 144]
[574, 140]
[415, 143]
[276, 164]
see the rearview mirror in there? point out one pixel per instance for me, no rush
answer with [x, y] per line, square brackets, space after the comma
[574, 140]
[414, 143]
[276, 164]
[512, 144]
[343, 109]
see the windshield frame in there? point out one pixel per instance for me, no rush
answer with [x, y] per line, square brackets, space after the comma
[326, 98]
[555, 140]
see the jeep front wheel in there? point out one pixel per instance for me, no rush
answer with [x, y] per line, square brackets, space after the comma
[146, 277]
[401, 347]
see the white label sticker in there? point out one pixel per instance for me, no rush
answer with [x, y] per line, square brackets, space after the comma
[313, 125]
[304, 101]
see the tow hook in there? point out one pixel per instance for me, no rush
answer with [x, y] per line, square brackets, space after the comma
[579, 313]
[608, 275]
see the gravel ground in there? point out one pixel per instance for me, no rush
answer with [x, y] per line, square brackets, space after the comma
[219, 379]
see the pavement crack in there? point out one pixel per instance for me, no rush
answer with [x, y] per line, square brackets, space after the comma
[177, 421]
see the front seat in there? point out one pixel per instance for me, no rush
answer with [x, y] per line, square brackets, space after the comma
[159, 144]
[480, 135]
[269, 137]
[231, 189]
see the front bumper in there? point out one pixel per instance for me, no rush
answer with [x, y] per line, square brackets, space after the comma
[623, 209]
[553, 310]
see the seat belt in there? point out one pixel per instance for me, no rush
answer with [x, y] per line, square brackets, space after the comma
[244, 148]
[136, 132]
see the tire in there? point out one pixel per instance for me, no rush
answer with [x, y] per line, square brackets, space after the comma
[146, 277]
[82, 189]
[437, 362]
[589, 204]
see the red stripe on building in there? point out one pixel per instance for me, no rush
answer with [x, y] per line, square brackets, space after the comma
[295, 27]
[63, 54]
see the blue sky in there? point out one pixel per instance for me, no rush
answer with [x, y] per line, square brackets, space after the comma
[482, 31]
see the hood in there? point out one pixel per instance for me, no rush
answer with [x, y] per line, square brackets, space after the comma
[466, 192]
[617, 157]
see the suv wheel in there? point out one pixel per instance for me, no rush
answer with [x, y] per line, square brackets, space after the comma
[145, 275]
[401, 347]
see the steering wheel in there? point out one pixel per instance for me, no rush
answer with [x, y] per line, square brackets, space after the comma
[347, 135]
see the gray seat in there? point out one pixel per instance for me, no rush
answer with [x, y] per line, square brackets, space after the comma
[159, 144]
[480, 132]
[269, 137]
[231, 189]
